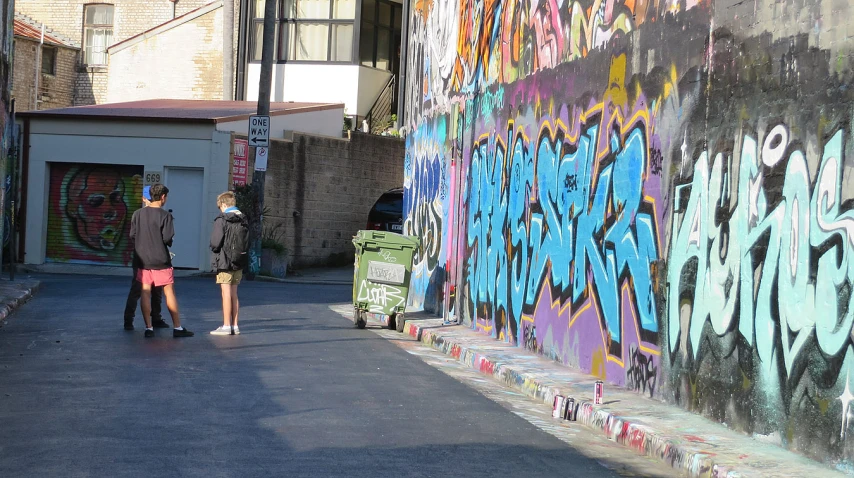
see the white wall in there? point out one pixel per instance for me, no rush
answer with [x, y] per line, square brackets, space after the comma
[355, 86]
[152, 146]
[183, 62]
[327, 122]
[371, 84]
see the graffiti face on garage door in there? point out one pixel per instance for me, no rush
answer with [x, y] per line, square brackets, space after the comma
[89, 213]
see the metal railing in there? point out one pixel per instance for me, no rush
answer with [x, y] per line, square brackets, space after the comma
[379, 118]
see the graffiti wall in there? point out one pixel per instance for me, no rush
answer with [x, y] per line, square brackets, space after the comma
[90, 207]
[7, 135]
[658, 193]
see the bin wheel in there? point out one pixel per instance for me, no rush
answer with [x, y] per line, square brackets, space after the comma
[392, 320]
[361, 319]
[399, 322]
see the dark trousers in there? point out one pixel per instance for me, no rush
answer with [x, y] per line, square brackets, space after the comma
[133, 300]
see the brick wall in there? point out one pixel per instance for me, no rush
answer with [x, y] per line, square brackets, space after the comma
[90, 86]
[56, 91]
[321, 190]
[188, 61]
[23, 70]
[132, 17]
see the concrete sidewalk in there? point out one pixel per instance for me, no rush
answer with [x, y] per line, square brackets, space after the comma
[14, 294]
[686, 441]
[319, 276]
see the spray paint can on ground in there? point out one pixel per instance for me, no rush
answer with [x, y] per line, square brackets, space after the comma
[569, 411]
[598, 392]
[557, 407]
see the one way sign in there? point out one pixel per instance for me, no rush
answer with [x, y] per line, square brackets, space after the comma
[259, 131]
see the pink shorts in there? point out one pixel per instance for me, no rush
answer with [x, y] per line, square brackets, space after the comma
[156, 277]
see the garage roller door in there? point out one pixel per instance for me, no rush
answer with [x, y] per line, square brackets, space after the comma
[89, 212]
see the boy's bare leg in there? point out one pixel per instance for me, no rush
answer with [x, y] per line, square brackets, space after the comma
[226, 305]
[171, 304]
[145, 304]
[235, 304]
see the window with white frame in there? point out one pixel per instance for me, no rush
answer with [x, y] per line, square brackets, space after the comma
[308, 30]
[97, 33]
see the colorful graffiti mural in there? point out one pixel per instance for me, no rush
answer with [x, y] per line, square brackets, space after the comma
[633, 189]
[7, 128]
[425, 204]
[802, 239]
[461, 46]
[561, 232]
[760, 275]
[89, 212]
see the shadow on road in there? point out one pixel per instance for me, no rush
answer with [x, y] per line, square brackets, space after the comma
[299, 393]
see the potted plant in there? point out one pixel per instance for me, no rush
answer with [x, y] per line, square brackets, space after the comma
[274, 254]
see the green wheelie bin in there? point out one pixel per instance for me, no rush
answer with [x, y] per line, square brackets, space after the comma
[381, 276]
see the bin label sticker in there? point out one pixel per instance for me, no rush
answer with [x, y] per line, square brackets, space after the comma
[380, 297]
[385, 273]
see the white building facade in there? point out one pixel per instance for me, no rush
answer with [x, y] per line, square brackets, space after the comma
[332, 51]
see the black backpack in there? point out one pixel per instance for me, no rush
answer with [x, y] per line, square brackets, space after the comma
[235, 246]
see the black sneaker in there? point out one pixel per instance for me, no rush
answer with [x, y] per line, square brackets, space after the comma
[182, 333]
[128, 324]
[159, 324]
[149, 333]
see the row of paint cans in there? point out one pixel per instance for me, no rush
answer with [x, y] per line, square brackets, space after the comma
[567, 408]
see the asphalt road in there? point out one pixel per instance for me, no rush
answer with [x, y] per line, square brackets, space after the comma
[299, 393]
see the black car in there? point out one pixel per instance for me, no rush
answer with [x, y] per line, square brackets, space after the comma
[387, 213]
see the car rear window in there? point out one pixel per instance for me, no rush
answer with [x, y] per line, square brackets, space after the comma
[390, 204]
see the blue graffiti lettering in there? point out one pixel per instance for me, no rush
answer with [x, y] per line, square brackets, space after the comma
[567, 212]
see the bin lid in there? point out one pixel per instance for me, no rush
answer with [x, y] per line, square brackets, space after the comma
[384, 237]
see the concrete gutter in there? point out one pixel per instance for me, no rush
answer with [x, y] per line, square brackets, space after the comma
[316, 276]
[15, 294]
[305, 280]
[681, 439]
[616, 428]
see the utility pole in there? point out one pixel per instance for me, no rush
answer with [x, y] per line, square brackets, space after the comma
[259, 177]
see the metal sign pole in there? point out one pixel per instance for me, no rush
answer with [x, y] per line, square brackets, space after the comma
[13, 192]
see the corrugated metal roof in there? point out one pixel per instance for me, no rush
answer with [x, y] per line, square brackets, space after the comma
[185, 111]
[26, 27]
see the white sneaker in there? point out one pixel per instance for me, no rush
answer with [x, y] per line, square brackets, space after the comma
[221, 330]
[236, 330]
